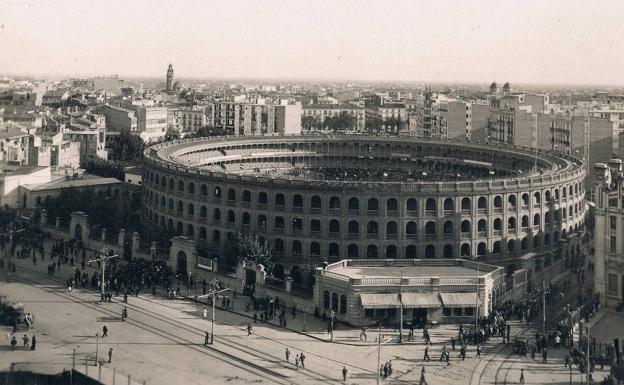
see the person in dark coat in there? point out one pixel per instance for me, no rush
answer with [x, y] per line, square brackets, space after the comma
[33, 342]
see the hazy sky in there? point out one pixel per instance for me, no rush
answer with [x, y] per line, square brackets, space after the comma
[537, 41]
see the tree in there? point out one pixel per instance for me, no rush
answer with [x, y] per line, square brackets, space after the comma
[105, 168]
[126, 147]
[208, 131]
[307, 122]
[250, 249]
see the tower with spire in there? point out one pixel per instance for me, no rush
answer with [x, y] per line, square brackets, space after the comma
[169, 87]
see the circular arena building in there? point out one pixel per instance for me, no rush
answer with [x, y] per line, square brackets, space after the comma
[316, 198]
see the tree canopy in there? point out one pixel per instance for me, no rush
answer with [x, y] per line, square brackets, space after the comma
[250, 249]
[126, 147]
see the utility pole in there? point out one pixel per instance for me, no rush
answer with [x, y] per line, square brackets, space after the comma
[477, 299]
[214, 295]
[97, 347]
[401, 309]
[543, 307]
[11, 232]
[588, 368]
[104, 257]
[378, 355]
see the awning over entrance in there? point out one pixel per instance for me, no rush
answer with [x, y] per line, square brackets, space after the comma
[380, 301]
[459, 299]
[421, 300]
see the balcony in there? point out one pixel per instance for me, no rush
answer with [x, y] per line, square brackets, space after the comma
[373, 213]
[431, 213]
[448, 213]
[216, 222]
[261, 228]
[536, 205]
[190, 195]
[433, 236]
[411, 237]
[511, 231]
[170, 211]
[511, 209]
[202, 219]
[279, 207]
[315, 210]
[191, 217]
[465, 235]
[297, 232]
[481, 211]
[498, 210]
[525, 207]
[465, 212]
[371, 236]
[392, 213]
[297, 209]
[536, 228]
[246, 204]
[245, 228]
[496, 233]
[525, 229]
[482, 234]
[278, 230]
[334, 235]
[391, 237]
[315, 234]
[216, 200]
[411, 213]
[334, 212]
[231, 202]
[231, 225]
[353, 212]
[262, 206]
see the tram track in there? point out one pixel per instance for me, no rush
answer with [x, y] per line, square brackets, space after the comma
[313, 375]
[258, 370]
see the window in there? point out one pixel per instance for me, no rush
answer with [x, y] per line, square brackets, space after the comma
[446, 311]
[613, 244]
[457, 312]
[613, 222]
[469, 312]
[613, 284]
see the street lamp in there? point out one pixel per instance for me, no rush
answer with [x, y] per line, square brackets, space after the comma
[104, 257]
[214, 295]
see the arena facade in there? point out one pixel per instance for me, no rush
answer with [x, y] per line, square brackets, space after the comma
[325, 198]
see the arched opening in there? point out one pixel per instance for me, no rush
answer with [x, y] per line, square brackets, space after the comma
[343, 304]
[371, 251]
[391, 251]
[465, 250]
[481, 249]
[373, 204]
[279, 200]
[334, 203]
[448, 251]
[334, 251]
[352, 251]
[78, 232]
[315, 249]
[430, 251]
[181, 265]
[410, 251]
[354, 204]
[466, 204]
[326, 300]
[392, 205]
[334, 302]
[412, 207]
[465, 227]
[297, 201]
[353, 229]
[449, 204]
[430, 206]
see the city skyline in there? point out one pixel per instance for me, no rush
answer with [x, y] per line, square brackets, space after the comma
[535, 43]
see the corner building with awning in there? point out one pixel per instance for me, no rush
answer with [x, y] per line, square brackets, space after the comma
[363, 292]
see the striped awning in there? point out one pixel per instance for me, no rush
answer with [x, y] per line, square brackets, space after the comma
[458, 299]
[380, 301]
[421, 300]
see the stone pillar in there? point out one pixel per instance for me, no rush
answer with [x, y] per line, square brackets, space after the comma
[136, 241]
[103, 234]
[43, 220]
[288, 284]
[215, 265]
[121, 241]
[154, 250]
[58, 223]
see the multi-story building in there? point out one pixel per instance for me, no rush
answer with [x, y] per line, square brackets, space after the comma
[193, 118]
[609, 227]
[249, 118]
[119, 118]
[315, 116]
[16, 144]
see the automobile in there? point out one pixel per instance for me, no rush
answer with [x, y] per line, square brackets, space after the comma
[520, 346]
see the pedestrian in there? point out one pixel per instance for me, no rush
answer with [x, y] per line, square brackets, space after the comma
[479, 351]
[344, 373]
[205, 313]
[26, 340]
[110, 355]
[522, 376]
[287, 354]
[422, 377]
[255, 317]
[248, 329]
[448, 360]
[567, 361]
[426, 357]
[302, 358]
[104, 331]
[206, 338]
[545, 355]
[33, 342]
[13, 342]
[297, 361]
[452, 343]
